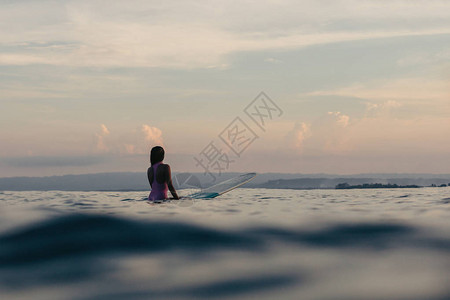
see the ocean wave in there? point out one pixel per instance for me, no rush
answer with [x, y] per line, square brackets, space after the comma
[220, 289]
[85, 234]
[445, 200]
[84, 249]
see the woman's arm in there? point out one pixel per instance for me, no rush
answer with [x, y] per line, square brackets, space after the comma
[150, 176]
[170, 185]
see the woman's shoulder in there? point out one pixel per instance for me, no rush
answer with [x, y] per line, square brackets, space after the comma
[163, 166]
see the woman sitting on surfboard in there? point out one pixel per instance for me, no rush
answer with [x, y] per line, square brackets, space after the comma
[159, 176]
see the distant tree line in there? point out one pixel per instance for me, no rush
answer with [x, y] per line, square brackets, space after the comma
[345, 185]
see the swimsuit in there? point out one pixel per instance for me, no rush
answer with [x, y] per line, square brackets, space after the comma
[159, 190]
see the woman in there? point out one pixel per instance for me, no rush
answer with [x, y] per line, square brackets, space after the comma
[159, 176]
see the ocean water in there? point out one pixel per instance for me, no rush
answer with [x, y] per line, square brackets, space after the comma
[247, 244]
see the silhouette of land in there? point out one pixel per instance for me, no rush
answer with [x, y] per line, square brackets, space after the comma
[343, 186]
[137, 181]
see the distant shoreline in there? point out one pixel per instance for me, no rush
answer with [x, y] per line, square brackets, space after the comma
[346, 186]
[137, 181]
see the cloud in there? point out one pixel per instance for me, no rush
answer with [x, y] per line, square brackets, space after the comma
[384, 105]
[341, 120]
[381, 109]
[325, 135]
[53, 161]
[100, 144]
[273, 60]
[296, 137]
[105, 130]
[134, 141]
[378, 130]
[302, 133]
[329, 134]
[396, 90]
[197, 34]
[113, 45]
[152, 135]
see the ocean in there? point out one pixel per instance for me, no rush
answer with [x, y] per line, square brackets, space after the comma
[246, 244]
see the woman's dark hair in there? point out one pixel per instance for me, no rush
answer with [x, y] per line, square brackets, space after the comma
[156, 155]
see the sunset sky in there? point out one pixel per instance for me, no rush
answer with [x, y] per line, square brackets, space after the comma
[91, 86]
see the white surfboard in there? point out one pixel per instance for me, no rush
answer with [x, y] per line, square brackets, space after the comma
[223, 187]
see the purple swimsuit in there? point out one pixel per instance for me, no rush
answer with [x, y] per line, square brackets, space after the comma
[159, 190]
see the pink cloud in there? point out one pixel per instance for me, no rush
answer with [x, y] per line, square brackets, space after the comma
[152, 134]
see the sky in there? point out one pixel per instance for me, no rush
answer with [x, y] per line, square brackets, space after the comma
[349, 86]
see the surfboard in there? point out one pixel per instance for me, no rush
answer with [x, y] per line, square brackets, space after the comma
[223, 187]
[215, 190]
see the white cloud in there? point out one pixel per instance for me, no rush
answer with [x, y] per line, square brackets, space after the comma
[105, 130]
[135, 141]
[100, 143]
[395, 92]
[377, 131]
[302, 133]
[273, 60]
[152, 135]
[296, 137]
[325, 135]
[170, 46]
[197, 34]
[13, 59]
[340, 119]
